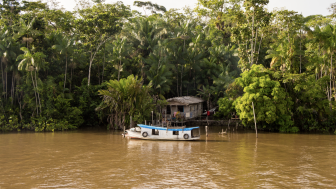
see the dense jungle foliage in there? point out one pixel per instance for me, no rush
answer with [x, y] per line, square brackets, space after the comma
[102, 63]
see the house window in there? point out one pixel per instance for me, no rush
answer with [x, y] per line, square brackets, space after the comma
[155, 132]
[180, 108]
[175, 133]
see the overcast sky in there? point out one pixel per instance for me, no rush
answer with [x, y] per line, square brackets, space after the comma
[306, 7]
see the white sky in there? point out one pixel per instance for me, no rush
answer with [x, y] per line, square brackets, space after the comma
[306, 7]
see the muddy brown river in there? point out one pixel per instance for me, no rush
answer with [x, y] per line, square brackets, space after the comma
[104, 159]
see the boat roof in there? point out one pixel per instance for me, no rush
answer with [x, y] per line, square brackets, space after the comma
[165, 128]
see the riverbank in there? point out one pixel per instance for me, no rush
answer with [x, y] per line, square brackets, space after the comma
[231, 128]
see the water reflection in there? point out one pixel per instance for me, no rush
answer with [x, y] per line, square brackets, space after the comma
[107, 160]
[154, 147]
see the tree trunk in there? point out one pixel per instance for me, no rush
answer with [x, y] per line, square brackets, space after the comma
[71, 79]
[209, 102]
[93, 56]
[300, 50]
[98, 73]
[190, 78]
[20, 113]
[334, 85]
[290, 46]
[6, 81]
[177, 91]
[38, 95]
[91, 60]
[255, 42]
[12, 88]
[251, 59]
[331, 70]
[103, 67]
[259, 48]
[119, 69]
[181, 79]
[66, 68]
[3, 78]
[34, 91]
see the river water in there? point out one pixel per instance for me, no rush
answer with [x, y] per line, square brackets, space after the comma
[104, 159]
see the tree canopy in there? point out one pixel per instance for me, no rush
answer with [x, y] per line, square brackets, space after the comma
[234, 51]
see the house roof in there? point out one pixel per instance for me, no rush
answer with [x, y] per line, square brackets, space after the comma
[185, 100]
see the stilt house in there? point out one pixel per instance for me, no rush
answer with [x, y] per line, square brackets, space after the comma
[187, 106]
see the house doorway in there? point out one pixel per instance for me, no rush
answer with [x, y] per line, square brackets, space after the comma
[180, 108]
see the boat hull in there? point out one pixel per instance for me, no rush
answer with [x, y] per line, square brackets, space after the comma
[161, 136]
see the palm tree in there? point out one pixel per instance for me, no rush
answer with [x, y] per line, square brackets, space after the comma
[159, 71]
[26, 30]
[176, 56]
[194, 57]
[316, 43]
[206, 92]
[120, 50]
[331, 48]
[280, 54]
[2, 51]
[123, 97]
[27, 63]
[7, 56]
[209, 70]
[143, 34]
[160, 78]
[64, 46]
[184, 31]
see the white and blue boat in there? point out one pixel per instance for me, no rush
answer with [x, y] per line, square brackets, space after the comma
[148, 132]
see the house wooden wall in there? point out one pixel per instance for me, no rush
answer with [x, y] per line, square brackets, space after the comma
[195, 109]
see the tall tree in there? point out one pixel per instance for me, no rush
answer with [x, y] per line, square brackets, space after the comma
[65, 46]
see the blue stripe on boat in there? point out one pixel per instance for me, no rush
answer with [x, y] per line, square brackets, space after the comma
[162, 128]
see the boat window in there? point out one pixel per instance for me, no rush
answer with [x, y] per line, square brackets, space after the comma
[175, 133]
[155, 132]
[180, 108]
[195, 133]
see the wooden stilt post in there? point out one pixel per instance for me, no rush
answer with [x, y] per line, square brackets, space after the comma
[206, 130]
[145, 122]
[166, 121]
[229, 124]
[255, 122]
[199, 132]
[124, 131]
[131, 122]
[207, 119]
[152, 118]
